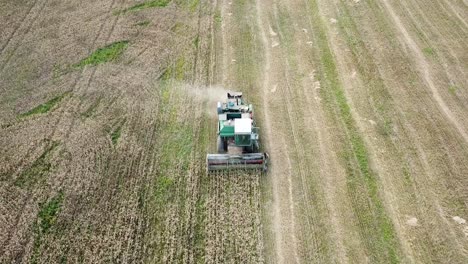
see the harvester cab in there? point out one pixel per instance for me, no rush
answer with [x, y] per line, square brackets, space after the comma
[238, 138]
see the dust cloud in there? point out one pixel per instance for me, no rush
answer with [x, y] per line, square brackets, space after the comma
[209, 94]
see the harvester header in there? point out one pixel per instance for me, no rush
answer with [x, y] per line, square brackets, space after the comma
[238, 137]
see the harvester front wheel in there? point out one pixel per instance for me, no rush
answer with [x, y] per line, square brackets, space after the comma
[220, 145]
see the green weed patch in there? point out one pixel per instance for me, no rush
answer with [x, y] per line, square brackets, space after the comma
[48, 213]
[145, 5]
[46, 219]
[190, 5]
[176, 71]
[193, 4]
[116, 133]
[453, 89]
[429, 51]
[104, 54]
[45, 107]
[38, 170]
[143, 23]
[217, 18]
[162, 187]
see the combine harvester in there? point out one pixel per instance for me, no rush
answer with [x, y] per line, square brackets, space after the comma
[237, 138]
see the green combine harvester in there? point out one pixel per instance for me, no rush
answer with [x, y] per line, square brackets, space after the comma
[238, 138]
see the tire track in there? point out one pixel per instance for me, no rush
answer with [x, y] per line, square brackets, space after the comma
[443, 38]
[428, 170]
[327, 167]
[421, 179]
[4, 63]
[59, 117]
[213, 53]
[146, 169]
[231, 237]
[77, 79]
[187, 250]
[424, 69]
[226, 48]
[277, 217]
[25, 202]
[67, 105]
[288, 92]
[89, 81]
[4, 46]
[457, 14]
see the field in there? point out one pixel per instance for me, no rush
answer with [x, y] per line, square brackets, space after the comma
[107, 111]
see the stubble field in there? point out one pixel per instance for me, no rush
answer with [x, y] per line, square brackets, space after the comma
[107, 111]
